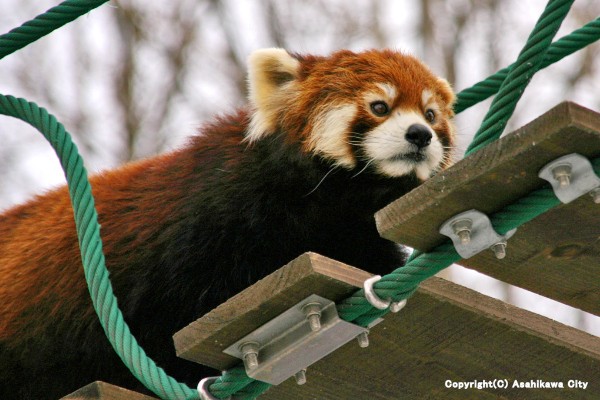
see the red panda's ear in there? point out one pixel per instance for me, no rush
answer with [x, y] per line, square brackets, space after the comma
[271, 73]
[445, 90]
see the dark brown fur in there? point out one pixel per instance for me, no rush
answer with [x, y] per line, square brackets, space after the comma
[184, 231]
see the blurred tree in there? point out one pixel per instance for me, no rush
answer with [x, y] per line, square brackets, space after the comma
[134, 78]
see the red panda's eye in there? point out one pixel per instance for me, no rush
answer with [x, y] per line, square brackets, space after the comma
[380, 108]
[430, 116]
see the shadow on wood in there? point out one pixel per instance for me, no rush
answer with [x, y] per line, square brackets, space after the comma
[446, 332]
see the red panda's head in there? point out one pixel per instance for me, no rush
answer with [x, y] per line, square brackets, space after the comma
[378, 108]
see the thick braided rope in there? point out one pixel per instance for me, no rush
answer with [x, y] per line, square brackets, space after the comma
[567, 45]
[45, 23]
[403, 282]
[235, 381]
[527, 64]
[88, 233]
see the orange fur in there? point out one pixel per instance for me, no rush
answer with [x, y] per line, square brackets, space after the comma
[303, 168]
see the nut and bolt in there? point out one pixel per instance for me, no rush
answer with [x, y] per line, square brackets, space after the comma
[595, 193]
[462, 229]
[250, 355]
[313, 314]
[562, 173]
[499, 250]
[300, 377]
[363, 339]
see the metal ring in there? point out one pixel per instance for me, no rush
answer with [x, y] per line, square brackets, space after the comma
[371, 296]
[203, 388]
[376, 300]
[397, 306]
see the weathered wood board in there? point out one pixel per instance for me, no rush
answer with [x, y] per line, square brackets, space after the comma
[445, 334]
[104, 391]
[558, 254]
[204, 340]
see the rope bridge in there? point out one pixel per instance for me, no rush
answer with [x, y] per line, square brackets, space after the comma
[508, 84]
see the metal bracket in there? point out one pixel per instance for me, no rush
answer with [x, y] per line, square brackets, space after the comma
[571, 176]
[472, 232]
[292, 341]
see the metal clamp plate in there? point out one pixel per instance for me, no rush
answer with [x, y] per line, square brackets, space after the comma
[571, 176]
[287, 344]
[481, 235]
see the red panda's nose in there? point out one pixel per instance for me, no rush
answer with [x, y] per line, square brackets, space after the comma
[419, 135]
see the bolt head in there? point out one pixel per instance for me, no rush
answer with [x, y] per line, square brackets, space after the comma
[562, 173]
[462, 229]
[313, 314]
[596, 195]
[300, 377]
[250, 355]
[499, 250]
[251, 361]
[314, 321]
[464, 236]
[363, 339]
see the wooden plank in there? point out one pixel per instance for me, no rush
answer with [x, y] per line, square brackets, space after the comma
[204, 340]
[446, 332]
[105, 391]
[558, 254]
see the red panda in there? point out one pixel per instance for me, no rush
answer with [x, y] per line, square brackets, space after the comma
[323, 144]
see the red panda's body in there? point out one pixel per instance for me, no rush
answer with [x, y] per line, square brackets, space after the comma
[297, 171]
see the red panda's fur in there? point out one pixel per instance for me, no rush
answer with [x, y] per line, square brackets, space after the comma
[184, 231]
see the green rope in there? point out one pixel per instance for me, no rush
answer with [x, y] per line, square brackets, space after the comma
[232, 381]
[45, 23]
[567, 45]
[88, 233]
[528, 63]
[400, 284]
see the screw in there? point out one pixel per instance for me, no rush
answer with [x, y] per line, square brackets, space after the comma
[300, 377]
[462, 228]
[499, 250]
[363, 339]
[250, 355]
[313, 314]
[562, 173]
[595, 193]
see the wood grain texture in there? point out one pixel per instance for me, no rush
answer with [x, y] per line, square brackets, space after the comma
[446, 332]
[558, 254]
[104, 391]
[204, 340]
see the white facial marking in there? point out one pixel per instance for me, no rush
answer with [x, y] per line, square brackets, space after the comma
[388, 89]
[329, 135]
[426, 96]
[393, 155]
[386, 93]
[429, 102]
